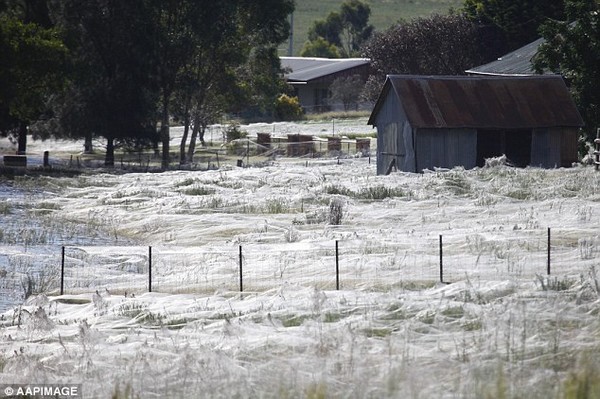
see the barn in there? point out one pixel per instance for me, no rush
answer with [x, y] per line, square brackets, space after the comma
[427, 122]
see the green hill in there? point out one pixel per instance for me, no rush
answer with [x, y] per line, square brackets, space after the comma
[384, 13]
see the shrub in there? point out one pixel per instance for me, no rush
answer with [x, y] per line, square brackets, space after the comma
[288, 108]
[234, 132]
[336, 211]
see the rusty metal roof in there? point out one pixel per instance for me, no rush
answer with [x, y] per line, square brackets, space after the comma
[482, 102]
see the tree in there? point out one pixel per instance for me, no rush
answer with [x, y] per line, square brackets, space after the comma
[234, 61]
[436, 45]
[347, 30]
[356, 29]
[111, 92]
[31, 69]
[505, 25]
[346, 90]
[176, 23]
[328, 29]
[319, 47]
[572, 48]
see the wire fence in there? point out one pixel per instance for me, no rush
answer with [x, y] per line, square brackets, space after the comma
[329, 265]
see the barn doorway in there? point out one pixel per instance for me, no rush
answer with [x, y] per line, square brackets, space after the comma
[514, 143]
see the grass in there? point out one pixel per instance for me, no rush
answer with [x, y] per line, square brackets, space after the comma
[384, 13]
[370, 193]
[199, 190]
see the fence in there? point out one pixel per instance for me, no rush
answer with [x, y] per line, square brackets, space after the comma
[344, 264]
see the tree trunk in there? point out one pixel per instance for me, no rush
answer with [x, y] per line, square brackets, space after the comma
[201, 135]
[88, 148]
[109, 159]
[182, 157]
[164, 133]
[186, 129]
[22, 139]
[192, 147]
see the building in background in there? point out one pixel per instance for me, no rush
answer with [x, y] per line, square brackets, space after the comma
[311, 79]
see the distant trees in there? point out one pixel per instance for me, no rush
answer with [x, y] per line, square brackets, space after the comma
[32, 61]
[436, 45]
[572, 48]
[346, 90]
[320, 47]
[111, 92]
[119, 69]
[233, 61]
[505, 25]
[347, 30]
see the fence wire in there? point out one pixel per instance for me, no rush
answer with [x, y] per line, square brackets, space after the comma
[358, 264]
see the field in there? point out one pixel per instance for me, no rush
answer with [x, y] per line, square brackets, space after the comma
[502, 328]
[384, 13]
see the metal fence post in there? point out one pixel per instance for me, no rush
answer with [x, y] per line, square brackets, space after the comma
[62, 272]
[337, 266]
[241, 269]
[150, 269]
[441, 261]
[548, 264]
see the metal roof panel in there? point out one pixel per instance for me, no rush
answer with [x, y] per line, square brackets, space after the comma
[484, 101]
[515, 63]
[305, 69]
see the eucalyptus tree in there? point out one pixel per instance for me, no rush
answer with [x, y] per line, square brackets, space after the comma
[111, 91]
[31, 70]
[572, 48]
[232, 63]
[347, 29]
[505, 25]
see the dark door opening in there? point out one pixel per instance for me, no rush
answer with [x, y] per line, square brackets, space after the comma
[515, 144]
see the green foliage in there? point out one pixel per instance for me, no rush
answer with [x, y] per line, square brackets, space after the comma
[199, 190]
[370, 193]
[346, 30]
[509, 24]
[572, 48]
[328, 29]
[321, 48]
[234, 132]
[31, 70]
[384, 13]
[584, 382]
[288, 108]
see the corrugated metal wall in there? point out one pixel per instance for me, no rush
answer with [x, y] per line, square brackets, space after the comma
[390, 124]
[445, 148]
[545, 148]
[568, 145]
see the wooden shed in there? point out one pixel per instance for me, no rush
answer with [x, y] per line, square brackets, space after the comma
[427, 122]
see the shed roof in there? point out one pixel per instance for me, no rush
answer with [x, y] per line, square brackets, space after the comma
[305, 69]
[482, 101]
[515, 63]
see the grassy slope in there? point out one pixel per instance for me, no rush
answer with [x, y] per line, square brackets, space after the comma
[384, 13]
